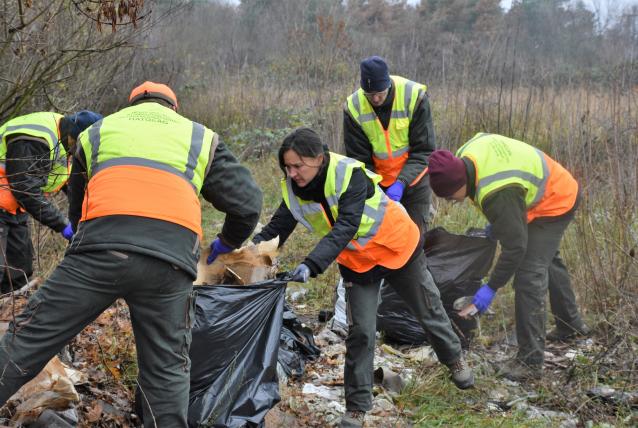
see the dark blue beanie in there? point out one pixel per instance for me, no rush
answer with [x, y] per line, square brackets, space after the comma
[374, 74]
[74, 124]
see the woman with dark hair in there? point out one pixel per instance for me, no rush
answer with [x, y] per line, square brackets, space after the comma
[372, 238]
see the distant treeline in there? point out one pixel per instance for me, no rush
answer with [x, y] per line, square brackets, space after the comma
[52, 55]
[319, 42]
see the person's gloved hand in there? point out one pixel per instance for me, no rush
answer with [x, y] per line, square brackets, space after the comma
[217, 247]
[395, 191]
[483, 298]
[301, 273]
[68, 232]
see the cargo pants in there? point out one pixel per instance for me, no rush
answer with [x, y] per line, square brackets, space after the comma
[16, 251]
[161, 303]
[543, 269]
[416, 201]
[415, 285]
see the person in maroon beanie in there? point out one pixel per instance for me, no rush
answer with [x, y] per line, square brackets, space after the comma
[529, 200]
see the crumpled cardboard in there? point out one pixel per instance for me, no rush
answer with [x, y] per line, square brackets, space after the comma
[50, 389]
[246, 265]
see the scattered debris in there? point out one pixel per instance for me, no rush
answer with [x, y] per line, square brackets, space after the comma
[50, 389]
[390, 380]
[613, 396]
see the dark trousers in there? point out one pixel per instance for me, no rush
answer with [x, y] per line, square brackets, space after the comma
[416, 202]
[16, 251]
[414, 284]
[161, 304]
[542, 269]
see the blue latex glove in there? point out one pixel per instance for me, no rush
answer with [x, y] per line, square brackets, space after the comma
[301, 273]
[483, 298]
[217, 247]
[68, 232]
[488, 232]
[395, 192]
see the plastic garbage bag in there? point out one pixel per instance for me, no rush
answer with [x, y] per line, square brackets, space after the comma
[236, 337]
[296, 345]
[458, 264]
[339, 322]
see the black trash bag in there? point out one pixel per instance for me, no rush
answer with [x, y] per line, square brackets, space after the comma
[234, 354]
[458, 264]
[296, 345]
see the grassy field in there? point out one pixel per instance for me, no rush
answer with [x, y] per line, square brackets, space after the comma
[591, 132]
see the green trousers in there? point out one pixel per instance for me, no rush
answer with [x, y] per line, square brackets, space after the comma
[543, 269]
[416, 202]
[161, 302]
[16, 251]
[415, 285]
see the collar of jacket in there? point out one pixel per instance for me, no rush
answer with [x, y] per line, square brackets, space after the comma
[471, 177]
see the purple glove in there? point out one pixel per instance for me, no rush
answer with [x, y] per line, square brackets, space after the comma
[68, 232]
[301, 273]
[217, 247]
[483, 298]
[395, 192]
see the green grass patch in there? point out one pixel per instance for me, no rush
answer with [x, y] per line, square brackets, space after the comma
[437, 403]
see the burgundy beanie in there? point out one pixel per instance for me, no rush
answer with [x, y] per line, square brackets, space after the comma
[447, 173]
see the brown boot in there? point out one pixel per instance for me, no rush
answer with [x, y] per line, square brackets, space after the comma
[558, 335]
[461, 374]
[352, 419]
[519, 371]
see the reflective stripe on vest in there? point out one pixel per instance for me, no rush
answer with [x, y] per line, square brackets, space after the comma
[147, 161]
[390, 147]
[363, 252]
[43, 126]
[500, 162]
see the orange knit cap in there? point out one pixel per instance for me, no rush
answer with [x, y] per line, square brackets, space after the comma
[150, 89]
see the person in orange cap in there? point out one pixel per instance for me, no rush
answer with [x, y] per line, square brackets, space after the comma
[134, 196]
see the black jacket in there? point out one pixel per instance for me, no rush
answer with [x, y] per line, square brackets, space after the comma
[28, 165]
[344, 227]
[228, 186]
[421, 138]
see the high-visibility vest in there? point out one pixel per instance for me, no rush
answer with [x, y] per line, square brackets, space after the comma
[42, 125]
[146, 161]
[390, 147]
[386, 235]
[550, 190]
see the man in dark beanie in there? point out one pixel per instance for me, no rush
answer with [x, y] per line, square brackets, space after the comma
[529, 200]
[33, 162]
[388, 126]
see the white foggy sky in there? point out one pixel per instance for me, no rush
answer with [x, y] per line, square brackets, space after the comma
[602, 6]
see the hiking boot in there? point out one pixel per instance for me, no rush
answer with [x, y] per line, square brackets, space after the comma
[352, 419]
[518, 370]
[560, 335]
[461, 374]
